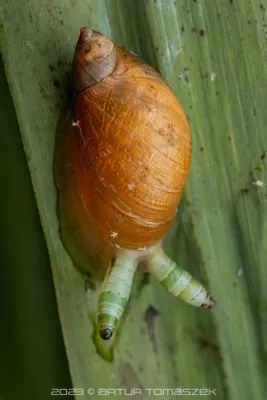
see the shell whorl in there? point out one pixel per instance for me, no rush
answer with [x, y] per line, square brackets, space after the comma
[94, 59]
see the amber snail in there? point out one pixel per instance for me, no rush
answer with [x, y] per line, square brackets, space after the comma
[121, 167]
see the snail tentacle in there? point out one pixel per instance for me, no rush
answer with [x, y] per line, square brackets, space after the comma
[178, 281]
[114, 295]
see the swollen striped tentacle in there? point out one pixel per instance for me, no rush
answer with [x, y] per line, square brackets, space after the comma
[177, 281]
[114, 295]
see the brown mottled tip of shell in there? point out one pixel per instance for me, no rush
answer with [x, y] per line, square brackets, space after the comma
[209, 304]
[85, 35]
[94, 59]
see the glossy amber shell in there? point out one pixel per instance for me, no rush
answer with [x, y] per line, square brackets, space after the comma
[131, 153]
[122, 157]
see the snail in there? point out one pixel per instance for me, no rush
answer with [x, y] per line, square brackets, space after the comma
[122, 160]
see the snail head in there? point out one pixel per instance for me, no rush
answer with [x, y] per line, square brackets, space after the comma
[94, 59]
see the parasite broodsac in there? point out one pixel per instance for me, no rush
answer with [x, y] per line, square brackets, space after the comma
[121, 165]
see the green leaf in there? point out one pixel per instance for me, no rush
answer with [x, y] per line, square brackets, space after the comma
[213, 54]
[32, 352]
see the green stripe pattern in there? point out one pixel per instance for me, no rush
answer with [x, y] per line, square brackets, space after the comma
[177, 281]
[115, 293]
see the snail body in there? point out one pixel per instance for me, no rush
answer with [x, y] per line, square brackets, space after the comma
[121, 168]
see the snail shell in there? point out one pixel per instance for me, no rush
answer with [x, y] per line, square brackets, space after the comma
[132, 148]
